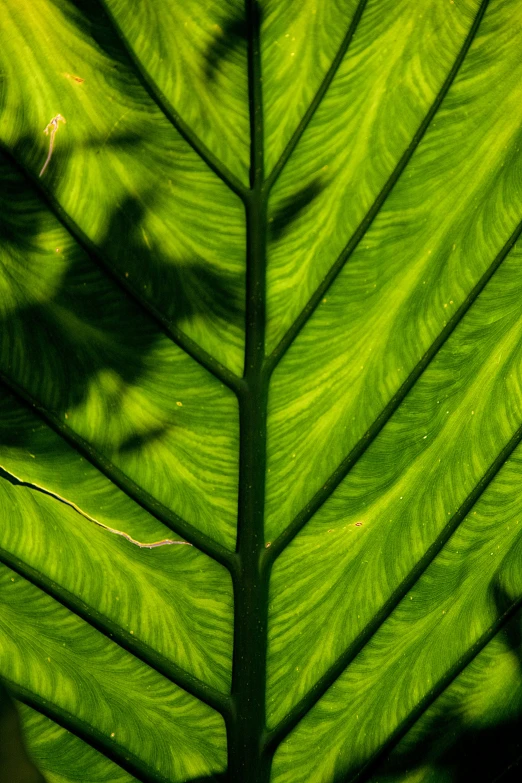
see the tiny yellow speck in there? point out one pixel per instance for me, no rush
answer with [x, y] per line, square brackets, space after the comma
[179, 404]
[132, 632]
[268, 543]
[112, 734]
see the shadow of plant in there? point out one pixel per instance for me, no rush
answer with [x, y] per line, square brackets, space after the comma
[86, 323]
[230, 37]
[455, 749]
[291, 208]
[65, 321]
[15, 765]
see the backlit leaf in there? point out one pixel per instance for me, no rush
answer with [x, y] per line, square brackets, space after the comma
[260, 391]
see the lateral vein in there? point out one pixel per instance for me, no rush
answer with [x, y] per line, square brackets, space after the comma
[162, 102]
[291, 720]
[308, 310]
[183, 341]
[364, 443]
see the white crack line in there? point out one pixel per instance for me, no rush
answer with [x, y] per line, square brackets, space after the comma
[126, 536]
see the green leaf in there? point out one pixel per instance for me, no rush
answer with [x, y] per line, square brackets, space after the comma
[260, 385]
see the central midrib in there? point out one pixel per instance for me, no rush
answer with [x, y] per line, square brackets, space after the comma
[246, 724]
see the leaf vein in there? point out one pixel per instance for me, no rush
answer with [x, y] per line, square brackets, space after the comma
[120, 756]
[342, 470]
[321, 92]
[443, 684]
[189, 346]
[290, 721]
[154, 660]
[217, 166]
[167, 517]
[288, 338]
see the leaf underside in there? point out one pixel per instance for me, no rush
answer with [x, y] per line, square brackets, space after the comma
[260, 389]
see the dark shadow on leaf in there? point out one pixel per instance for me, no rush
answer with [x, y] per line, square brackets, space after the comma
[291, 208]
[456, 750]
[92, 22]
[230, 37]
[191, 285]
[58, 335]
[15, 765]
[72, 319]
[139, 441]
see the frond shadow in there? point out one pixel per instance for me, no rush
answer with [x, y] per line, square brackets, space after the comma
[231, 36]
[291, 208]
[66, 320]
[458, 749]
[88, 324]
[15, 765]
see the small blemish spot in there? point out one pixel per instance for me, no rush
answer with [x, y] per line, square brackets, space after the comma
[268, 543]
[179, 404]
[358, 524]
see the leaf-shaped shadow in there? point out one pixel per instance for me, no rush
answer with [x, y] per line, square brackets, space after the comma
[291, 208]
[458, 749]
[513, 631]
[91, 18]
[193, 286]
[15, 765]
[230, 37]
[66, 321]
[87, 325]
